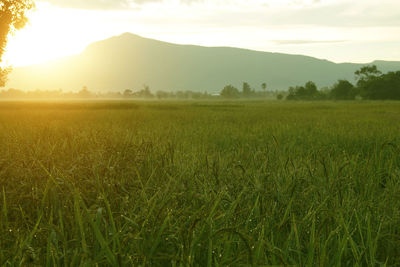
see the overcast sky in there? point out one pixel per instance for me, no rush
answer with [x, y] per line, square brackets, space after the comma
[337, 30]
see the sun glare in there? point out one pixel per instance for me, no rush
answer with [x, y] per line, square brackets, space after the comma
[52, 33]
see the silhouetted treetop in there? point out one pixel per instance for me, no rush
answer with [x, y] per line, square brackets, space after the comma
[366, 73]
[230, 91]
[343, 90]
[12, 18]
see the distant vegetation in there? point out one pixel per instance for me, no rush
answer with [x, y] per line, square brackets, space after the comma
[371, 85]
[229, 92]
[85, 93]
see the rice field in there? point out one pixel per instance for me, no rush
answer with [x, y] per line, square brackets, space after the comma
[240, 183]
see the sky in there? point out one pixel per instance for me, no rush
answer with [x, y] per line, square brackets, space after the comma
[357, 31]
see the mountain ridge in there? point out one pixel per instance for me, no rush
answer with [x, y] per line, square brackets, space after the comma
[128, 61]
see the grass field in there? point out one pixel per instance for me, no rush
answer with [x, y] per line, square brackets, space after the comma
[199, 184]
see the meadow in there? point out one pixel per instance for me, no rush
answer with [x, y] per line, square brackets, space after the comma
[217, 183]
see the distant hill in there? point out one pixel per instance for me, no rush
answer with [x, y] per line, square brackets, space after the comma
[129, 61]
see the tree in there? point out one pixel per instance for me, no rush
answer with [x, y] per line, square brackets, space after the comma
[390, 86]
[230, 92]
[343, 90]
[246, 90]
[366, 74]
[127, 93]
[295, 93]
[369, 70]
[311, 90]
[84, 92]
[163, 94]
[3, 75]
[12, 18]
[307, 92]
[386, 86]
[264, 86]
[144, 93]
[372, 84]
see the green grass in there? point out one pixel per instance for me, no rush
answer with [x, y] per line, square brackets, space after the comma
[199, 184]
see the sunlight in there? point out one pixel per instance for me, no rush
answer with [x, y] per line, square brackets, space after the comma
[36, 42]
[52, 33]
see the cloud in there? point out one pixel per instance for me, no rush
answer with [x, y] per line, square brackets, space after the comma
[302, 42]
[359, 13]
[330, 13]
[99, 4]
[110, 4]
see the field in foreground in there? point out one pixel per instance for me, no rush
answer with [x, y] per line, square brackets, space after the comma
[199, 184]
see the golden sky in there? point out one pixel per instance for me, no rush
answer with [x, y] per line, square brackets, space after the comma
[337, 30]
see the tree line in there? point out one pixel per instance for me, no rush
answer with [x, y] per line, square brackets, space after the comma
[144, 93]
[371, 84]
[85, 93]
[231, 92]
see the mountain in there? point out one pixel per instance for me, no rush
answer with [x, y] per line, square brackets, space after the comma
[129, 61]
